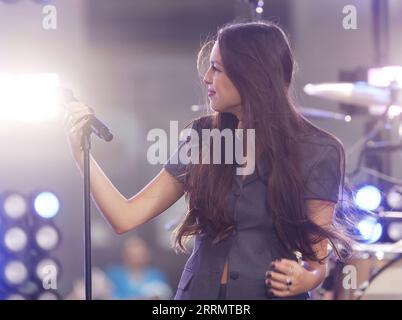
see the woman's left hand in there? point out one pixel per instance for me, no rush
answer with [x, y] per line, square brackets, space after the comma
[288, 278]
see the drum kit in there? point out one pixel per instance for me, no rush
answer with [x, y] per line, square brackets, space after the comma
[373, 273]
[375, 270]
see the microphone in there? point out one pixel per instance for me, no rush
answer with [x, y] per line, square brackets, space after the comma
[97, 126]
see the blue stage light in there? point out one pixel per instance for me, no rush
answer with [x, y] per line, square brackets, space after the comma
[15, 272]
[15, 206]
[47, 237]
[47, 205]
[370, 230]
[368, 198]
[15, 239]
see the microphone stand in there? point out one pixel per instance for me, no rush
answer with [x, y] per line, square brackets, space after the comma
[94, 125]
[103, 133]
[86, 147]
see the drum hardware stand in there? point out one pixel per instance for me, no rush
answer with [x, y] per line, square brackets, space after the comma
[370, 145]
[378, 272]
[397, 215]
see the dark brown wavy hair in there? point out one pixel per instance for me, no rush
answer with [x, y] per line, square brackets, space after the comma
[258, 59]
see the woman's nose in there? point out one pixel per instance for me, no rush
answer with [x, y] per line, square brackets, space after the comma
[206, 78]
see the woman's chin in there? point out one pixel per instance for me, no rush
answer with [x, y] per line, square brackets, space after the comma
[221, 109]
[217, 108]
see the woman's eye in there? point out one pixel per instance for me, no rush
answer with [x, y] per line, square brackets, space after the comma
[213, 68]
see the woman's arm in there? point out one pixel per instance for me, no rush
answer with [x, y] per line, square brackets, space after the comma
[122, 214]
[312, 273]
[126, 214]
[321, 213]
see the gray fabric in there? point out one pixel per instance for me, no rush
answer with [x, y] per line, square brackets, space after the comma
[254, 244]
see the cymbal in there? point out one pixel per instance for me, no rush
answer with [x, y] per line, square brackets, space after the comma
[315, 113]
[359, 93]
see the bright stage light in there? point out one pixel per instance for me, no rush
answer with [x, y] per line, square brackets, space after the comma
[15, 272]
[382, 77]
[394, 198]
[45, 266]
[368, 198]
[15, 206]
[28, 97]
[47, 205]
[370, 230]
[259, 10]
[15, 239]
[395, 231]
[26, 239]
[47, 237]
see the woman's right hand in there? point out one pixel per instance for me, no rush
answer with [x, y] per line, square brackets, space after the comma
[75, 120]
[122, 214]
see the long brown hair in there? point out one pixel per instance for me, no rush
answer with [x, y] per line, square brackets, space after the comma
[258, 59]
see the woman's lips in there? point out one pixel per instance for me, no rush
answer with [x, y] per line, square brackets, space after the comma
[211, 93]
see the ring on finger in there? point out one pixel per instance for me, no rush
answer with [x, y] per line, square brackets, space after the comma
[291, 270]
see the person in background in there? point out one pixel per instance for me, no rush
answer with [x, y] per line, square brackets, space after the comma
[136, 278]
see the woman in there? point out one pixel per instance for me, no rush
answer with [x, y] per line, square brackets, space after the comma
[247, 229]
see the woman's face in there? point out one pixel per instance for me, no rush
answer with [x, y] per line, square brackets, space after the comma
[223, 95]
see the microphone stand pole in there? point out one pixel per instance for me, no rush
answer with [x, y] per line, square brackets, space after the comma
[97, 127]
[86, 147]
